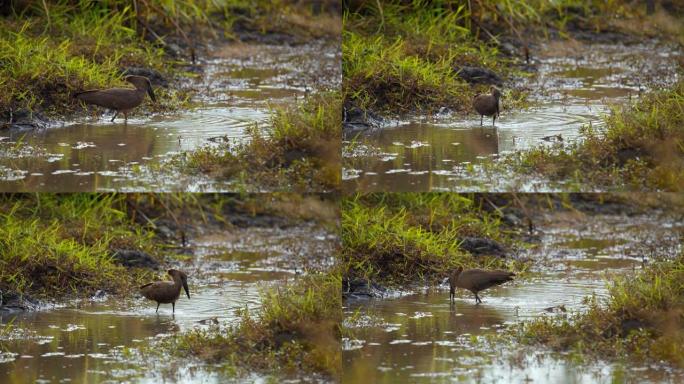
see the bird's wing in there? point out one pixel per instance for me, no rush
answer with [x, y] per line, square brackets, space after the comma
[485, 279]
[114, 98]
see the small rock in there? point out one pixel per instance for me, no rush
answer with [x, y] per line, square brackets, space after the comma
[23, 120]
[132, 258]
[285, 337]
[512, 220]
[361, 287]
[211, 320]
[356, 119]
[479, 75]
[14, 302]
[480, 246]
[629, 325]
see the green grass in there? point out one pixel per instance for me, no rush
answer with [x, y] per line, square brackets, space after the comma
[54, 245]
[296, 330]
[401, 238]
[641, 147]
[641, 320]
[400, 56]
[49, 50]
[301, 150]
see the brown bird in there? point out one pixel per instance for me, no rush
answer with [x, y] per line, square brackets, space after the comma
[488, 105]
[476, 280]
[165, 292]
[120, 99]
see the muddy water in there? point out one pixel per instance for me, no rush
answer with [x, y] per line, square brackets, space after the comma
[97, 340]
[574, 85]
[420, 337]
[239, 85]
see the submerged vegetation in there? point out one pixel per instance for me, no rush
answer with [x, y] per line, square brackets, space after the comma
[399, 239]
[296, 330]
[640, 147]
[641, 319]
[301, 150]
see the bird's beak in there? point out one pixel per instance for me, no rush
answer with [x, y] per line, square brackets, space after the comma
[151, 93]
[185, 286]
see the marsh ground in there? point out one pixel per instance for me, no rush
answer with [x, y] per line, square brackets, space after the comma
[224, 73]
[410, 333]
[234, 261]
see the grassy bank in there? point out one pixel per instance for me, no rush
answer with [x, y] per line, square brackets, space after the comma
[296, 330]
[56, 245]
[399, 239]
[49, 50]
[399, 57]
[405, 56]
[641, 319]
[300, 151]
[641, 147]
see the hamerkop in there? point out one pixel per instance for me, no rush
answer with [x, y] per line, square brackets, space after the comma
[488, 105]
[476, 280]
[165, 292]
[120, 99]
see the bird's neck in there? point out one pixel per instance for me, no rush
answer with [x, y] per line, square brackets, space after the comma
[177, 281]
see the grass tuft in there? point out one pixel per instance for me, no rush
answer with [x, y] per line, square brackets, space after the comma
[301, 150]
[399, 239]
[642, 319]
[297, 329]
[641, 146]
[54, 245]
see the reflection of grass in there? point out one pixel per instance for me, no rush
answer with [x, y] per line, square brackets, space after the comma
[641, 319]
[642, 146]
[296, 330]
[404, 237]
[302, 151]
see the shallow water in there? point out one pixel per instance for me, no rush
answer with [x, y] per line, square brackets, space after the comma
[574, 86]
[240, 84]
[420, 337]
[97, 340]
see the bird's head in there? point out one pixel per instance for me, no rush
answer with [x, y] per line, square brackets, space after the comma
[496, 92]
[174, 273]
[142, 83]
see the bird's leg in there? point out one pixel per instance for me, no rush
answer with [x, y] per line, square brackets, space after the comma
[174, 306]
[493, 119]
[477, 298]
[116, 113]
[157, 311]
[481, 116]
[125, 116]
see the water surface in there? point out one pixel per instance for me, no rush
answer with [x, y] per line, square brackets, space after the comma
[97, 340]
[420, 337]
[574, 85]
[238, 87]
